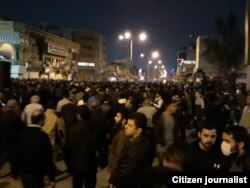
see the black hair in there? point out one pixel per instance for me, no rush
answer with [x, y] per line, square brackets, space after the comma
[140, 120]
[37, 116]
[124, 112]
[205, 124]
[84, 112]
[239, 133]
[180, 153]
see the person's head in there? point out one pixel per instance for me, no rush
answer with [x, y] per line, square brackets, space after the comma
[172, 107]
[198, 94]
[136, 125]
[129, 102]
[179, 157]
[157, 94]
[12, 104]
[83, 113]
[207, 135]
[35, 99]
[147, 101]
[121, 117]
[38, 117]
[234, 140]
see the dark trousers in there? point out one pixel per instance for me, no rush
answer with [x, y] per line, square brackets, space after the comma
[89, 180]
[32, 181]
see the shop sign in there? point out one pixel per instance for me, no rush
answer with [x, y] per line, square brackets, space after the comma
[10, 37]
[58, 50]
[86, 64]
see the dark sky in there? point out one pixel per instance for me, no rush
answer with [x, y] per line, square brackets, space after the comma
[169, 23]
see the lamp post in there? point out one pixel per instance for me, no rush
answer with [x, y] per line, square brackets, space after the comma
[148, 64]
[128, 36]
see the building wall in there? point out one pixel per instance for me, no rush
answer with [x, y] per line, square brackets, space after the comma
[202, 62]
[93, 49]
[36, 48]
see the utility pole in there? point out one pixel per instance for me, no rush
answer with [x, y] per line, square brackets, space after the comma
[247, 42]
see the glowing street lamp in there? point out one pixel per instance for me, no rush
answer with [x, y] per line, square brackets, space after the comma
[155, 54]
[128, 36]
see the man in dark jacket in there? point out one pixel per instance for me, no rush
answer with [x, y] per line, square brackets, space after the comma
[208, 155]
[33, 159]
[134, 157]
[80, 151]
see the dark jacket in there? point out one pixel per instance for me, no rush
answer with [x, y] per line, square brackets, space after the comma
[33, 154]
[208, 160]
[80, 150]
[118, 143]
[132, 162]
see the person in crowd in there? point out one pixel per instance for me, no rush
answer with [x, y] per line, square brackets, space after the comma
[130, 105]
[166, 129]
[148, 110]
[30, 108]
[65, 100]
[179, 157]
[80, 151]
[235, 145]
[134, 158]
[32, 159]
[55, 128]
[119, 139]
[11, 126]
[245, 117]
[199, 106]
[158, 101]
[208, 156]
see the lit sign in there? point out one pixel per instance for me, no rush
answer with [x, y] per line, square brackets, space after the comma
[86, 64]
[187, 62]
[58, 50]
[10, 37]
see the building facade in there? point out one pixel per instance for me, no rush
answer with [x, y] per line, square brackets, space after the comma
[37, 53]
[92, 57]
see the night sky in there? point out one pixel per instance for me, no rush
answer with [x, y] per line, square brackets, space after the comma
[169, 23]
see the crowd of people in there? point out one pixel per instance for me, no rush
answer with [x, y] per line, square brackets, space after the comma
[139, 131]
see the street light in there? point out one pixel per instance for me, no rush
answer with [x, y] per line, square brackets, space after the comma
[155, 54]
[128, 36]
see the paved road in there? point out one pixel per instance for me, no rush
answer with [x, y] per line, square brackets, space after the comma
[63, 181]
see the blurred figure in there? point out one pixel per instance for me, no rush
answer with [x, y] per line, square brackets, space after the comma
[177, 158]
[80, 151]
[11, 126]
[148, 110]
[235, 144]
[30, 108]
[119, 139]
[158, 101]
[55, 128]
[245, 117]
[32, 159]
